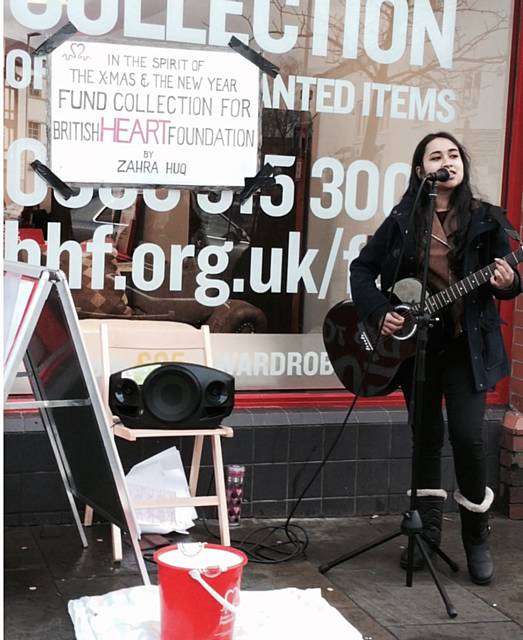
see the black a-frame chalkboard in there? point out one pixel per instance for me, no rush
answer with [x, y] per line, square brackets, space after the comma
[41, 329]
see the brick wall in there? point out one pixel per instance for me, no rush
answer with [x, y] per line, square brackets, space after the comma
[511, 466]
[511, 451]
[367, 473]
[516, 381]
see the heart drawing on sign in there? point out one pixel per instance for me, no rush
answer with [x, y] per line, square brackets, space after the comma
[77, 50]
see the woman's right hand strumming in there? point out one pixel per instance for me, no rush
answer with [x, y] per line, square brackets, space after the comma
[393, 322]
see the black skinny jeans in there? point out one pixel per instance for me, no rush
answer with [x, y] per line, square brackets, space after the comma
[449, 376]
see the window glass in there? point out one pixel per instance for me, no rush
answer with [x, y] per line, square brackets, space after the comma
[359, 84]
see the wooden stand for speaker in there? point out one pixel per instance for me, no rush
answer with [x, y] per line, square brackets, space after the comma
[147, 337]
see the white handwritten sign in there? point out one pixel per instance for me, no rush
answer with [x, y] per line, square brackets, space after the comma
[139, 115]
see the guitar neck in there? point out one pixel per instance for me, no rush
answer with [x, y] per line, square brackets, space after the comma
[457, 290]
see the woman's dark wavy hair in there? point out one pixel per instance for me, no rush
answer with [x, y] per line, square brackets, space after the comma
[460, 199]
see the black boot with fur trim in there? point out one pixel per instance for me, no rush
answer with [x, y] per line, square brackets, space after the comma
[474, 533]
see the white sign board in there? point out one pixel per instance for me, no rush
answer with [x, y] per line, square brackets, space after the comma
[140, 115]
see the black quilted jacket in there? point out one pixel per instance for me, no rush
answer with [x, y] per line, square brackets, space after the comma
[486, 240]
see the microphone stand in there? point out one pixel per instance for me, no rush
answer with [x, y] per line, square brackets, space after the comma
[411, 524]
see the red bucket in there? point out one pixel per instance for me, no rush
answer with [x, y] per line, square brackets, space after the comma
[199, 590]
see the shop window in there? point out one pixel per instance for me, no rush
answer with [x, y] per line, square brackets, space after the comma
[33, 129]
[10, 106]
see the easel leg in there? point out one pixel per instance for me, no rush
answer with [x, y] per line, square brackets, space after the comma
[220, 490]
[116, 537]
[88, 516]
[139, 559]
[195, 465]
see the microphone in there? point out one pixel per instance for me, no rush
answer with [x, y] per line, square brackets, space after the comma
[441, 175]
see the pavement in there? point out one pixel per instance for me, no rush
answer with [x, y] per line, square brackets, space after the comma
[45, 566]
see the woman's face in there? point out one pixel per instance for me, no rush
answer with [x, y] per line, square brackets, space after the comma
[442, 153]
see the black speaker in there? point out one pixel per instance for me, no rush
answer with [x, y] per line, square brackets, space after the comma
[171, 395]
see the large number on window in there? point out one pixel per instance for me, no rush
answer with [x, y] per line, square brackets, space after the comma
[287, 188]
[332, 188]
[335, 197]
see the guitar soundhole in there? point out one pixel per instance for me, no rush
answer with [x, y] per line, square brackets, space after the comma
[410, 324]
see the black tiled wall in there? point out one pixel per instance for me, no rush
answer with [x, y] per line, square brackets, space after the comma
[367, 472]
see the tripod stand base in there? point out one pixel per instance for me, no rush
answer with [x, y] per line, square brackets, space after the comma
[417, 539]
[366, 547]
[412, 527]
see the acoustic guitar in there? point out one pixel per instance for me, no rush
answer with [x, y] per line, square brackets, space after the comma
[367, 363]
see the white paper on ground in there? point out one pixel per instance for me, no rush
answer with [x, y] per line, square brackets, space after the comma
[126, 614]
[161, 477]
[134, 614]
